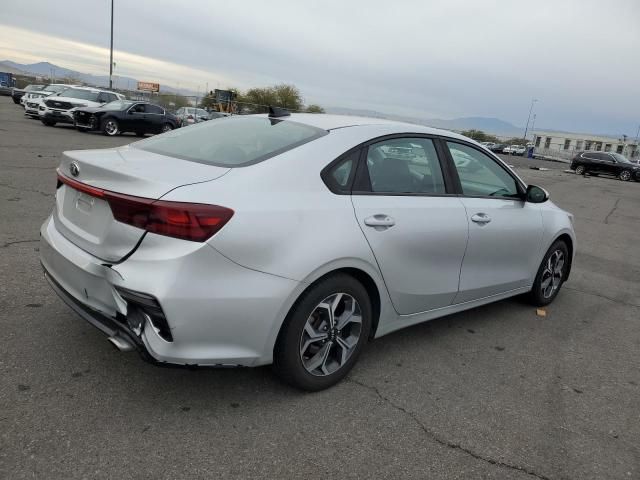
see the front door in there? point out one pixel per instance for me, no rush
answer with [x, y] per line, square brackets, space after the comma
[505, 232]
[417, 230]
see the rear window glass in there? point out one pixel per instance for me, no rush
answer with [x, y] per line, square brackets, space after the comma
[232, 141]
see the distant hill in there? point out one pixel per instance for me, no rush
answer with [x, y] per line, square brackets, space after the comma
[45, 69]
[490, 125]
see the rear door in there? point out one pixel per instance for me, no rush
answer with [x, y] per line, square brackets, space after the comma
[416, 227]
[505, 232]
[154, 118]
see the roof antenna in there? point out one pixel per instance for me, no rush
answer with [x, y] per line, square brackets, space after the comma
[276, 112]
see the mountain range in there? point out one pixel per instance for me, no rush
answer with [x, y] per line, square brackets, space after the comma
[494, 126]
[46, 69]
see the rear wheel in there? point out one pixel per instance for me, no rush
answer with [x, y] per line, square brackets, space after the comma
[324, 334]
[110, 127]
[166, 128]
[625, 175]
[551, 274]
[580, 170]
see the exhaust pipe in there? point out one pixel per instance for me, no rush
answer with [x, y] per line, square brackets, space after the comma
[121, 343]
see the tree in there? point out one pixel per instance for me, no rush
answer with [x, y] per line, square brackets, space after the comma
[313, 108]
[259, 100]
[480, 136]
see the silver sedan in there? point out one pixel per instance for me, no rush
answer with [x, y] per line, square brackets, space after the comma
[293, 239]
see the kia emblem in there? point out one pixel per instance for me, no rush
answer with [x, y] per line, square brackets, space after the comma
[74, 169]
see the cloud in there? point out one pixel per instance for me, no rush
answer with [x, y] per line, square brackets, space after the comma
[417, 57]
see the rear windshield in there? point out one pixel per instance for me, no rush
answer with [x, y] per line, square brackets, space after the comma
[233, 141]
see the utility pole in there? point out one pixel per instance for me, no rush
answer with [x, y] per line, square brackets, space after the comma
[526, 129]
[111, 51]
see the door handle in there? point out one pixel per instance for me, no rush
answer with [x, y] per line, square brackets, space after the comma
[481, 218]
[379, 221]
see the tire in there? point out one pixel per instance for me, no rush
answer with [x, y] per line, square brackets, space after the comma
[48, 123]
[167, 127]
[139, 134]
[16, 100]
[297, 352]
[80, 129]
[580, 170]
[110, 127]
[625, 175]
[544, 291]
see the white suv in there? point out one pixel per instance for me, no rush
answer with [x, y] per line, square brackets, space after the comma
[31, 100]
[59, 108]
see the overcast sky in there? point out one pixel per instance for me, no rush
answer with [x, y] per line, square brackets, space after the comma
[443, 59]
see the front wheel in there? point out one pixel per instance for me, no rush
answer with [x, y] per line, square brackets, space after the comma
[110, 127]
[324, 334]
[48, 123]
[166, 128]
[580, 170]
[625, 175]
[551, 274]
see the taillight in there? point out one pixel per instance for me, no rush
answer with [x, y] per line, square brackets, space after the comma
[189, 221]
[190, 117]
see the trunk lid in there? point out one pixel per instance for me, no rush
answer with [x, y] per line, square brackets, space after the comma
[87, 221]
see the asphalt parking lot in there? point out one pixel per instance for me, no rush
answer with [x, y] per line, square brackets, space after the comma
[497, 392]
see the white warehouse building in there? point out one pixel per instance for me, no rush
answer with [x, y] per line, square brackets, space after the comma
[566, 145]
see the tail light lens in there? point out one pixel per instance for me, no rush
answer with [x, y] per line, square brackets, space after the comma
[188, 221]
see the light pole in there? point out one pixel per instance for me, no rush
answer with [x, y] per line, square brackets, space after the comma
[526, 129]
[111, 51]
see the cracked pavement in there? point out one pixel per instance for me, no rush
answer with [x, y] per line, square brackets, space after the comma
[494, 393]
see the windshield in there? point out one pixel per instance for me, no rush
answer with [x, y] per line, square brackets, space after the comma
[621, 158]
[32, 88]
[198, 111]
[117, 105]
[232, 141]
[54, 88]
[90, 95]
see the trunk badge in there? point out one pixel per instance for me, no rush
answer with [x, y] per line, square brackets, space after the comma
[74, 169]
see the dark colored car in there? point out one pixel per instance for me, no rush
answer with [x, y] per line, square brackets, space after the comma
[497, 147]
[18, 93]
[605, 163]
[122, 116]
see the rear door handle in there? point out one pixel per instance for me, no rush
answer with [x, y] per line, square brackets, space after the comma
[379, 221]
[481, 218]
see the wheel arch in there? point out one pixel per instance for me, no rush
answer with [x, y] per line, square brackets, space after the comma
[566, 238]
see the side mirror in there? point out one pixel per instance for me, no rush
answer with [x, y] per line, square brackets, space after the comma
[536, 194]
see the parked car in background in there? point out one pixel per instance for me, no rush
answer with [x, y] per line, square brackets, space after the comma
[190, 115]
[125, 116]
[605, 163]
[487, 145]
[7, 82]
[514, 150]
[18, 93]
[174, 245]
[59, 108]
[31, 100]
[214, 115]
[497, 147]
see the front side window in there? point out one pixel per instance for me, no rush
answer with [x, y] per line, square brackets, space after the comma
[405, 165]
[232, 142]
[481, 175]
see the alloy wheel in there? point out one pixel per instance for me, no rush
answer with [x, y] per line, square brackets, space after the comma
[331, 334]
[111, 127]
[552, 274]
[166, 128]
[625, 175]
[579, 170]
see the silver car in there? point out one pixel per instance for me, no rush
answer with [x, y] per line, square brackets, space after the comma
[293, 240]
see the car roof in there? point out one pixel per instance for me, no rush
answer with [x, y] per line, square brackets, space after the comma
[332, 122]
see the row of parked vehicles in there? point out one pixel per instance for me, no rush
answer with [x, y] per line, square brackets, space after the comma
[89, 108]
[506, 149]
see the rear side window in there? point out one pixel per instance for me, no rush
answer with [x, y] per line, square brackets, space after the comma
[405, 165]
[232, 142]
[338, 176]
[154, 109]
